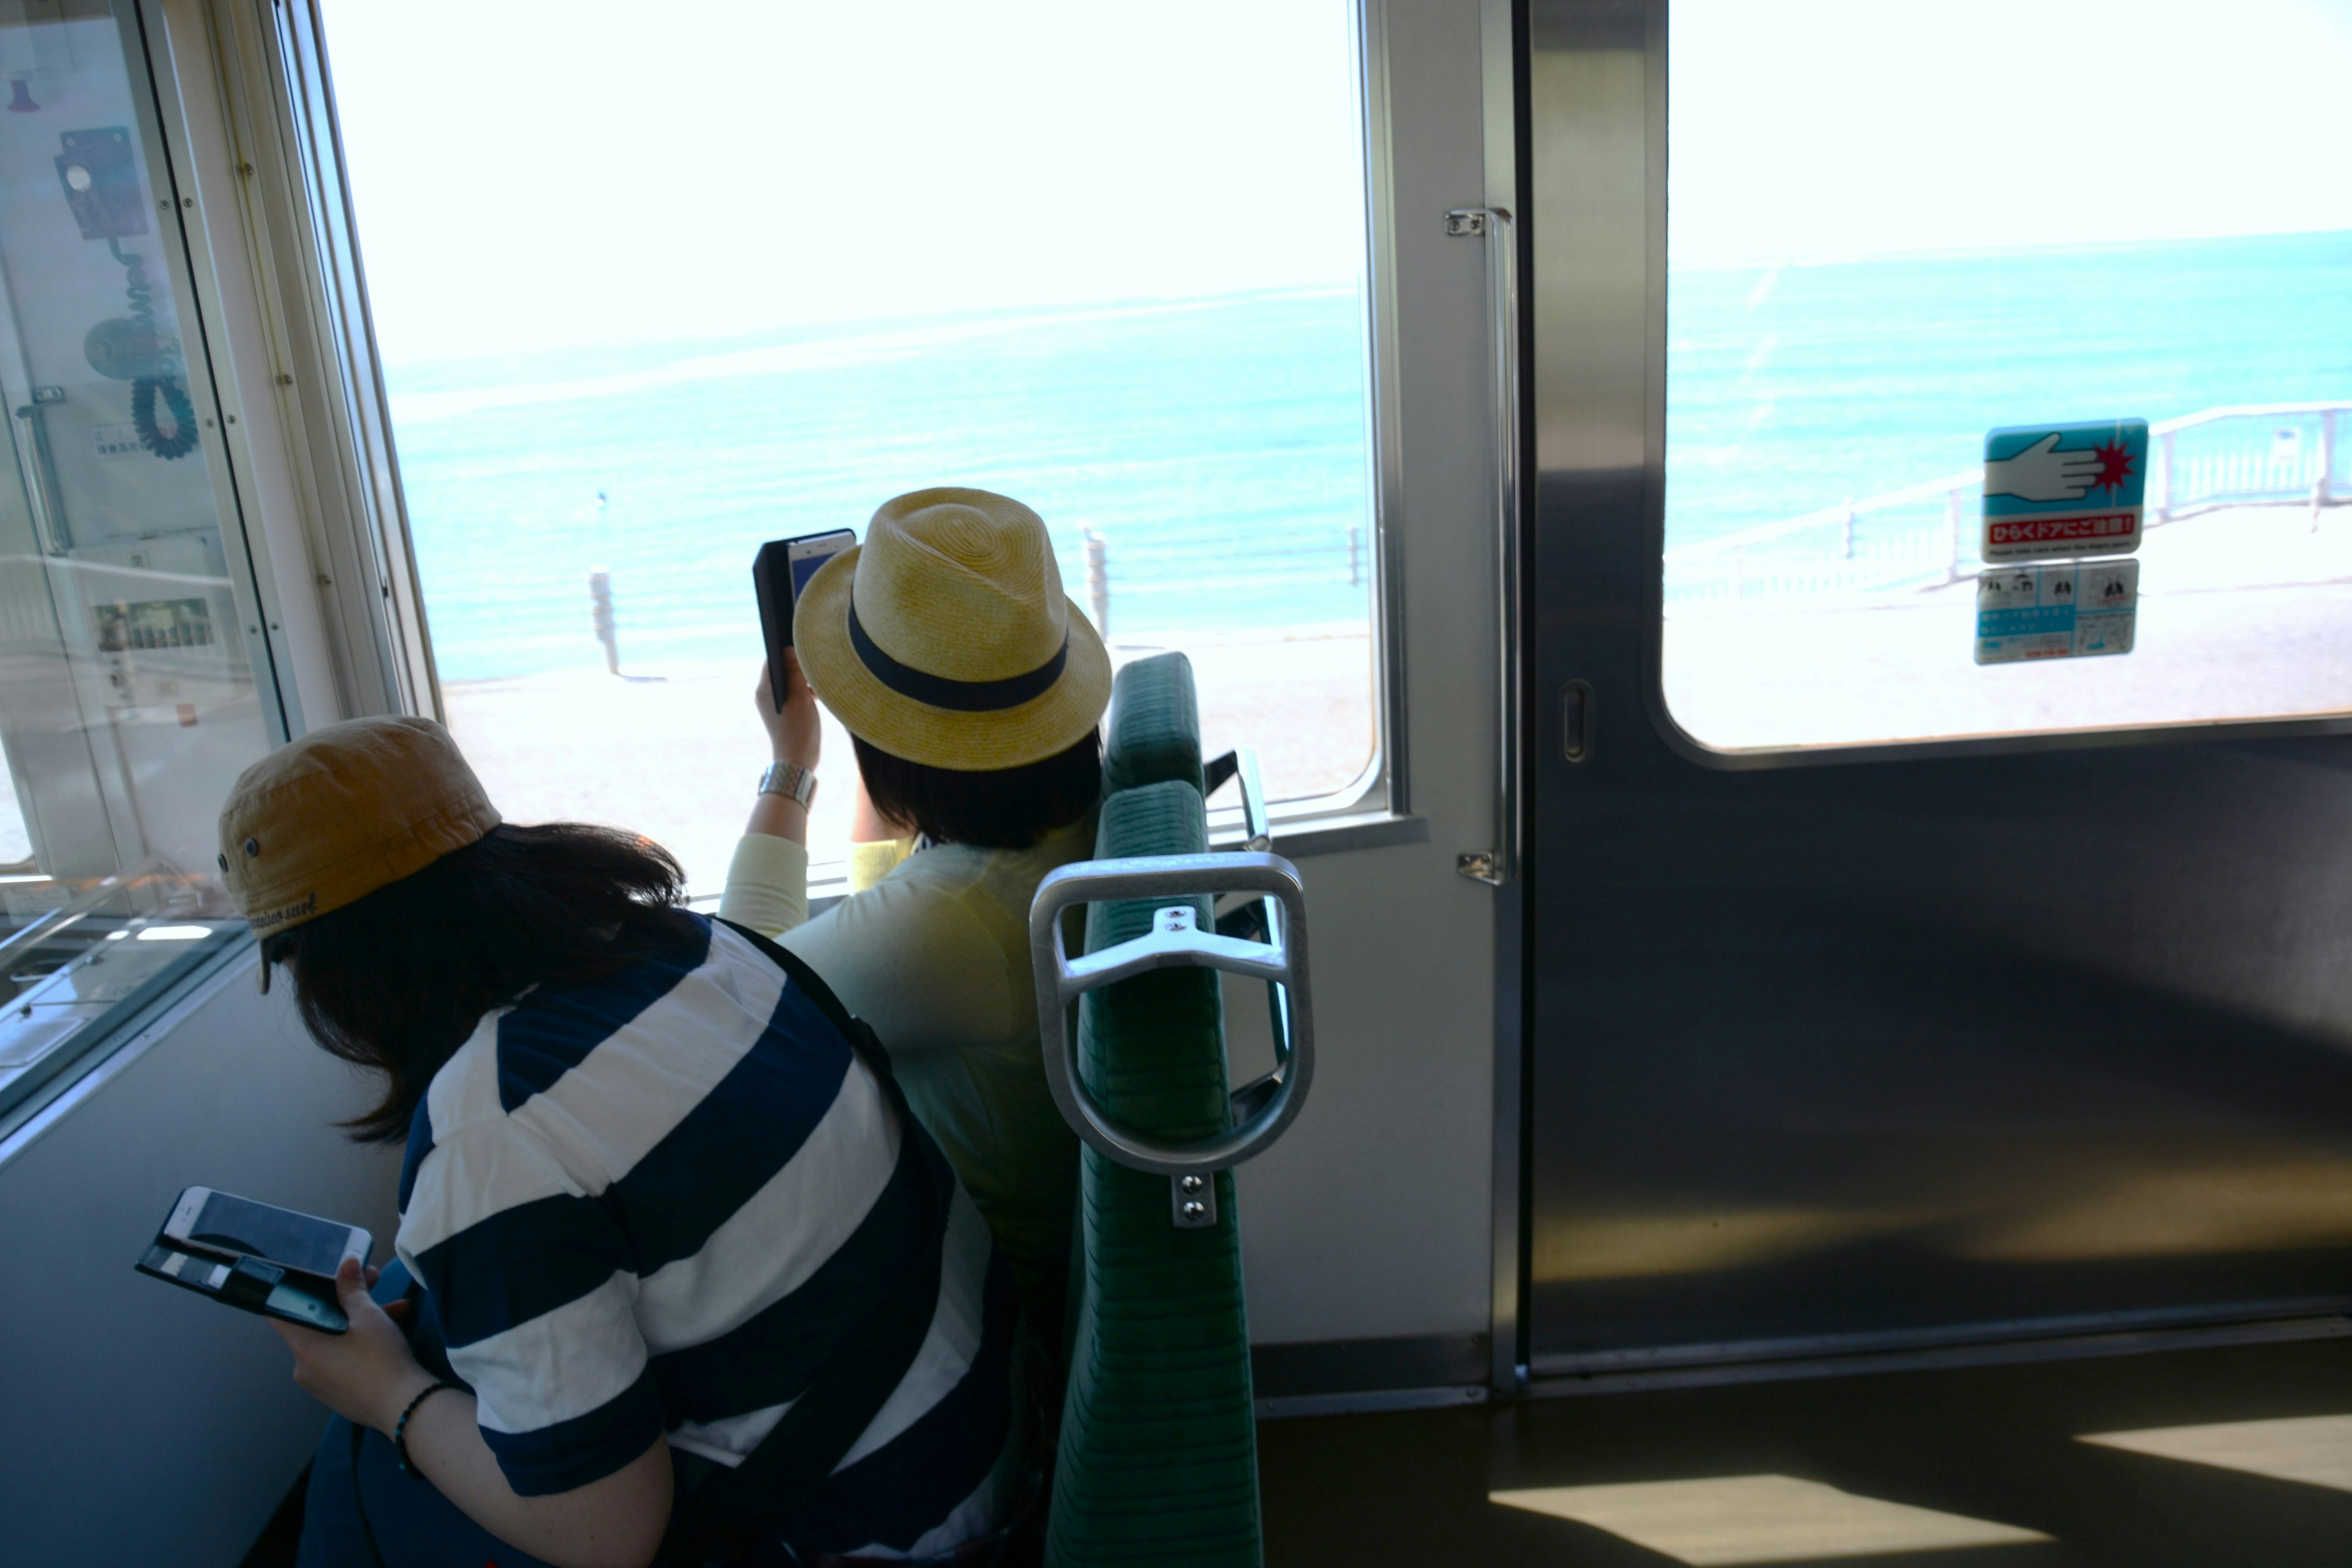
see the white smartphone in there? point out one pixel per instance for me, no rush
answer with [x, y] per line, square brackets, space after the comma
[225, 1225]
[806, 554]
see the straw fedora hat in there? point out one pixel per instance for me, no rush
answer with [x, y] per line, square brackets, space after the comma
[945, 637]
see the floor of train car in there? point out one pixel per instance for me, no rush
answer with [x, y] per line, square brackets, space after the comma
[1966, 1451]
[1965, 1454]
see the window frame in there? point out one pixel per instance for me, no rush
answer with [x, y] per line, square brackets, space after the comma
[277, 85]
[1658, 77]
[315, 362]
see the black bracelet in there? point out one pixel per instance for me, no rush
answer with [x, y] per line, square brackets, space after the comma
[400, 1428]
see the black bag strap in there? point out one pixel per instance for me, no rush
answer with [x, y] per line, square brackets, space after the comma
[726, 1513]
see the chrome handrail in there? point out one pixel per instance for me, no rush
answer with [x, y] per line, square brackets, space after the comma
[1500, 864]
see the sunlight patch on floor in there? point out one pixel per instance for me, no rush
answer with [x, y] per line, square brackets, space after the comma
[1759, 1518]
[2316, 1450]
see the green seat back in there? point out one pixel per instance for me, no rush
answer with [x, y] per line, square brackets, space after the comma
[1158, 1466]
[1153, 730]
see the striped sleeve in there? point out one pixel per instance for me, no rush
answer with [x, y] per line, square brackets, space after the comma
[532, 1282]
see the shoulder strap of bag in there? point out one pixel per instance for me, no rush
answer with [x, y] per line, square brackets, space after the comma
[776, 1479]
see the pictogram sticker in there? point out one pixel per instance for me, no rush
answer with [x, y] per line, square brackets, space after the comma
[2069, 610]
[2064, 489]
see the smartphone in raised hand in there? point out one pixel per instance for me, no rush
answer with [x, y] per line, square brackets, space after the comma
[778, 572]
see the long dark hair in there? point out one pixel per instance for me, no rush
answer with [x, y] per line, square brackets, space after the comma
[397, 981]
[995, 808]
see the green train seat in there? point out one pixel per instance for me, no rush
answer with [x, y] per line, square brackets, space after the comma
[1158, 1459]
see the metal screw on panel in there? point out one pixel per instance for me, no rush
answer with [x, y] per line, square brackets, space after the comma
[1189, 1184]
[1194, 1209]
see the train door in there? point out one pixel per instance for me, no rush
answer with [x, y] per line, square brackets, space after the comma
[1889, 989]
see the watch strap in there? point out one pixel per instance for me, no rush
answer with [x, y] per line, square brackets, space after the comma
[790, 780]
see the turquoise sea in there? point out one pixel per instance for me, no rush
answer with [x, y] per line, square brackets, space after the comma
[1218, 446]
[1791, 389]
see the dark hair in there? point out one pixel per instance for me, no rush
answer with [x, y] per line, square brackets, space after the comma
[397, 981]
[995, 808]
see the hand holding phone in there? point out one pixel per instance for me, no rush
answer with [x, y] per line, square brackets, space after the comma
[778, 572]
[789, 713]
[256, 1257]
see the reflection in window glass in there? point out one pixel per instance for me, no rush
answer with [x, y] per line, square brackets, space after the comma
[1893, 229]
[128, 700]
[655, 287]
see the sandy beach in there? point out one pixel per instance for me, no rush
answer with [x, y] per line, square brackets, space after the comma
[674, 750]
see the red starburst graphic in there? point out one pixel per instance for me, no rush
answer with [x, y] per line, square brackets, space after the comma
[2115, 464]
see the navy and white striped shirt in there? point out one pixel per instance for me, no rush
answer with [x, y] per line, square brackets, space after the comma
[658, 1203]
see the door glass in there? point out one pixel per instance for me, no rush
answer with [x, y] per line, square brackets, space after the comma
[656, 286]
[128, 700]
[1895, 229]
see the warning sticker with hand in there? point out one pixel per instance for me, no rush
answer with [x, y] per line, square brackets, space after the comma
[2064, 489]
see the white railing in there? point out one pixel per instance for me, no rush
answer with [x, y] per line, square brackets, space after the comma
[1926, 535]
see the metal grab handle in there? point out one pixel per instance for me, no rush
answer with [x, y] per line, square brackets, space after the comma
[1259, 922]
[1175, 942]
[1257, 824]
[1500, 864]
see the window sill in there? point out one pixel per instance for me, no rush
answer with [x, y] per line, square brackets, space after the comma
[1333, 835]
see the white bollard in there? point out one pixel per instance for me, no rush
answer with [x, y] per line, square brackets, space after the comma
[1097, 581]
[600, 608]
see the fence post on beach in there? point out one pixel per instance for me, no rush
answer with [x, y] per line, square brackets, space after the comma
[1097, 580]
[1848, 521]
[1952, 535]
[599, 609]
[2162, 503]
[2323, 489]
[1355, 569]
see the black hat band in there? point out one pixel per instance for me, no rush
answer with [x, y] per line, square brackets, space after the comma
[956, 696]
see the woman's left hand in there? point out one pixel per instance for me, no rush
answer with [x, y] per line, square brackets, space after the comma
[366, 1374]
[795, 733]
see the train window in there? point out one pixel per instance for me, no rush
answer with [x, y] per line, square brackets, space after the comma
[130, 700]
[1894, 229]
[652, 286]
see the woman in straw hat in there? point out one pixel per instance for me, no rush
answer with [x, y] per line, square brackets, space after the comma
[973, 690]
[687, 1265]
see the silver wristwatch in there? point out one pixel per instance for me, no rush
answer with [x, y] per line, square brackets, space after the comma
[790, 780]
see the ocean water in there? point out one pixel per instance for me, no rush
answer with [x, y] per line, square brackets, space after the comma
[1219, 446]
[1791, 389]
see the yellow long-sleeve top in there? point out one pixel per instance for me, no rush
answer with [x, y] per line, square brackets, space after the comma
[932, 950]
